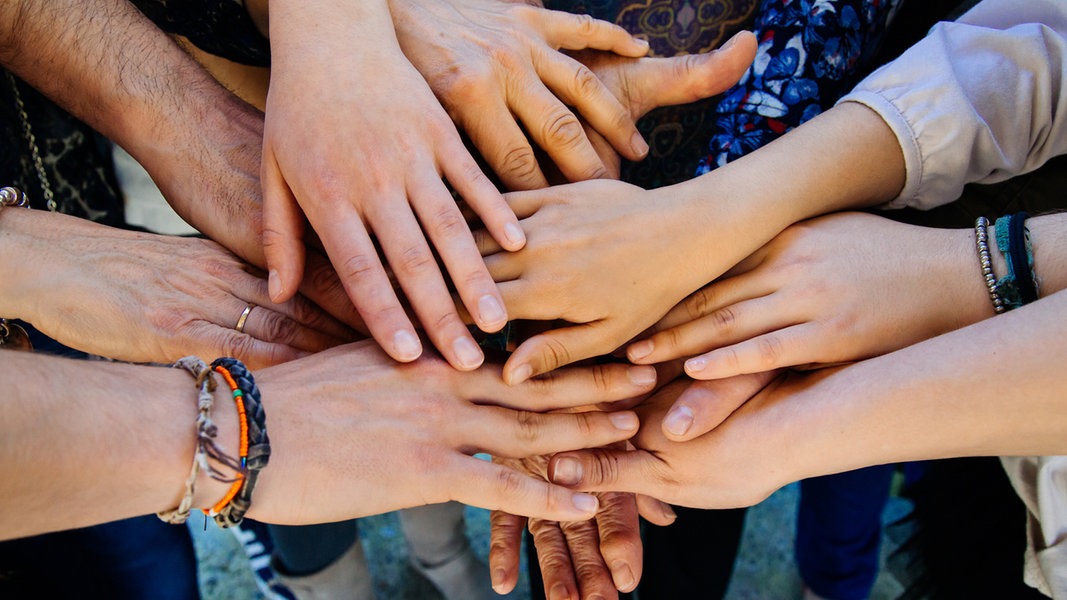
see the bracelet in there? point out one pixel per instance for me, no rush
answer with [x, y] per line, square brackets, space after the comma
[12, 335]
[982, 244]
[206, 432]
[1021, 257]
[255, 444]
[12, 196]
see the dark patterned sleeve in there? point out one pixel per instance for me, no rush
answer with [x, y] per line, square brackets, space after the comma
[810, 53]
[221, 27]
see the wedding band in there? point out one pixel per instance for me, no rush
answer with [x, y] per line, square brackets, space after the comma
[240, 326]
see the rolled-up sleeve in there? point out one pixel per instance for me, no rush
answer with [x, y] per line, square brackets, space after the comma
[981, 99]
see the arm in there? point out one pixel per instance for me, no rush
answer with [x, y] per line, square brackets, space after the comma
[406, 438]
[112, 68]
[852, 156]
[143, 297]
[841, 288]
[979, 391]
[355, 140]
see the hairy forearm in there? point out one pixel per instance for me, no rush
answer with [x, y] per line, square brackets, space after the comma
[88, 442]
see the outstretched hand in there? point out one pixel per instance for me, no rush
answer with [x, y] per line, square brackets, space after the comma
[355, 141]
[834, 289]
[497, 69]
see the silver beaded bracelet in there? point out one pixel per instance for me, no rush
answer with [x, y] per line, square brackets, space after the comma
[981, 241]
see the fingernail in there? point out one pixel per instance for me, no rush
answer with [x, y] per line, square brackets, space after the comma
[669, 512]
[641, 376]
[639, 350]
[559, 592]
[622, 576]
[679, 420]
[515, 235]
[695, 365]
[467, 354]
[568, 471]
[641, 41]
[406, 345]
[638, 144]
[586, 503]
[626, 421]
[520, 374]
[491, 311]
[274, 286]
[498, 581]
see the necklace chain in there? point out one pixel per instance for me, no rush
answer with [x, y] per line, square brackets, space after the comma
[27, 132]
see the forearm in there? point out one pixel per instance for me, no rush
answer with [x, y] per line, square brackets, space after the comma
[88, 442]
[995, 388]
[845, 158]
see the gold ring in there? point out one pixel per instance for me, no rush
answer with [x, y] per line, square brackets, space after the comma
[240, 326]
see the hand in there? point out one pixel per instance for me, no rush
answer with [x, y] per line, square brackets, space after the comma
[603, 255]
[834, 289]
[644, 84]
[154, 298]
[590, 559]
[355, 140]
[209, 174]
[497, 70]
[362, 435]
[738, 463]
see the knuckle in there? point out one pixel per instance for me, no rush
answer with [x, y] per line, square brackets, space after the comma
[414, 259]
[769, 349]
[279, 329]
[450, 222]
[699, 304]
[519, 164]
[554, 354]
[586, 83]
[584, 25]
[509, 482]
[563, 130]
[725, 319]
[529, 426]
[357, 268]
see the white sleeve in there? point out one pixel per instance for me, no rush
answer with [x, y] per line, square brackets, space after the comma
[981, 99]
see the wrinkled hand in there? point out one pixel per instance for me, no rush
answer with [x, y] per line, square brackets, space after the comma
[578, 559]
[644, 84]
[149, 298]
[497, 69]
[380, 436]
[355, 140]
[834, 289]
[749, 455]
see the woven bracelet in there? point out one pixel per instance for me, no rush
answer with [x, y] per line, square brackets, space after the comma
[1021, 253]
[255, 448]
[981, 242]
[206, 432]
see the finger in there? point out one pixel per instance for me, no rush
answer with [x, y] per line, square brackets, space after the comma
[704, 405]
[517, 434]
[494, 487]
[417, 272]
[463, 172]
[283, 229]
[578, 86]
[607, 470]
[569, 388]
[619, 530]
[252, 288]
[505, 544]
[272, 326]
[504, 146]
[554, 560]
[715, 296]
[656, 82]
[485, 243]
[444, 223]
[796, 345]
[556, 130]
[727, 325]
[655, 511]
[583, 545]
[578, 31]
[322, 286]
[553, 349]
[208, 339]
[355, 259]
[603, 149]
